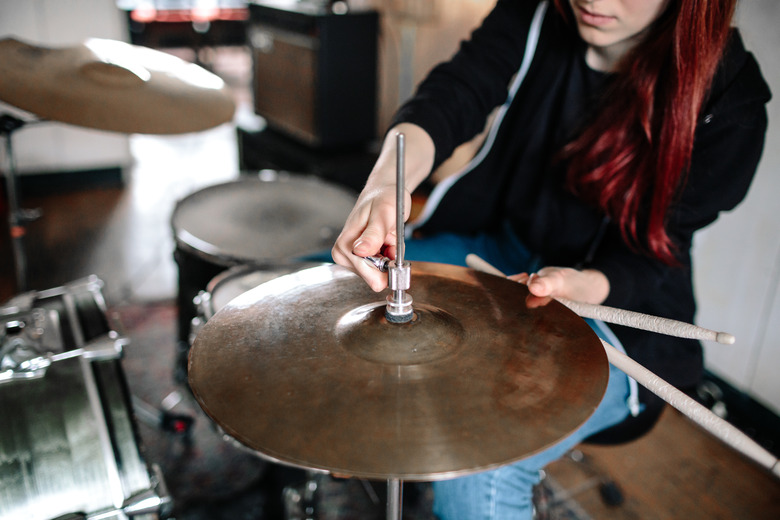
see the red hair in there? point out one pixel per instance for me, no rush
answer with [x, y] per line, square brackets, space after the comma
[631, 160]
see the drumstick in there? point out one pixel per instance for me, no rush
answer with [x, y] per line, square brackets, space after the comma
[636, 320]
[688, 406]
[692, 409]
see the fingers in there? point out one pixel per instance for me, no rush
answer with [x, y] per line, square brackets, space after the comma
[351, 253]
[369, 230]
[545, 282]
[372, 240]
[537, 301]
[521, 277]
[532, 300]
[373, 277]
[589, 286]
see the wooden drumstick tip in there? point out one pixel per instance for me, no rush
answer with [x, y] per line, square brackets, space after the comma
[479, 264]
[725, 338]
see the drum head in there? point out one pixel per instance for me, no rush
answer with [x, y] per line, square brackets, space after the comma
[260, 220]
[238, 280]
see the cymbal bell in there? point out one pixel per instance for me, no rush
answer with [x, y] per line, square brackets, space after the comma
[305, 370]
[112, 85]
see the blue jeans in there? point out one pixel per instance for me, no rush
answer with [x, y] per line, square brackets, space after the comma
[506, 493]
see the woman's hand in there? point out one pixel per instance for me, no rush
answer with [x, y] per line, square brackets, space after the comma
[587, 286]
[370, 229]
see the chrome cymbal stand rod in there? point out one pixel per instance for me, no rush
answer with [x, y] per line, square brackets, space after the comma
[394, 499]
[400, 173]
[399, 303]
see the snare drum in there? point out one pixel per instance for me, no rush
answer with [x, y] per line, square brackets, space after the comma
[265, 220]
[68, 443]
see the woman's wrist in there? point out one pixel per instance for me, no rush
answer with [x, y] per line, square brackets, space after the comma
[418, 158]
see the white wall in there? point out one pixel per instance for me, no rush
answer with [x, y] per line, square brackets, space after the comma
[737, 259]
[57, 146]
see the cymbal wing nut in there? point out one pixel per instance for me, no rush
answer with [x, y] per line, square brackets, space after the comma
[379, 262]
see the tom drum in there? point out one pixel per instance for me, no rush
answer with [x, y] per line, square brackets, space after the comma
[269, 220]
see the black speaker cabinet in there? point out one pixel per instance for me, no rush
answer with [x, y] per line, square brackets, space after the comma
[314, 72]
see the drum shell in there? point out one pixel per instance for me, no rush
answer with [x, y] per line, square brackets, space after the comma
[69, 444]
[68, 441]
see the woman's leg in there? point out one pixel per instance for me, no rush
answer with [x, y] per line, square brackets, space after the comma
[501, 249]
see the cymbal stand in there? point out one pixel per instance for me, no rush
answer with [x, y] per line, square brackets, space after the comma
[17, 217]
[399, 303]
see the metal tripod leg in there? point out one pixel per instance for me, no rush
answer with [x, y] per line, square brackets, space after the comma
[17, 218]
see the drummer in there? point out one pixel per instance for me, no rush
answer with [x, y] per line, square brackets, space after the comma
[626, 126]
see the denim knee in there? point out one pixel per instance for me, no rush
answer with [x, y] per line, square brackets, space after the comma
[503, 493]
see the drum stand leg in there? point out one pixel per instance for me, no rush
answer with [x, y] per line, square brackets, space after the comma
[17, 217]
[394, 499]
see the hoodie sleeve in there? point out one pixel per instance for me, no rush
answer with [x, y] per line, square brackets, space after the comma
[453, 102]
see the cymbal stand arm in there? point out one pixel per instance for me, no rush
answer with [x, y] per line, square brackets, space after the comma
[399, 303]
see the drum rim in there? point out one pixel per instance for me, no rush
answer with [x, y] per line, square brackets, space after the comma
[280, 176]
[237, 271]
[191, 244]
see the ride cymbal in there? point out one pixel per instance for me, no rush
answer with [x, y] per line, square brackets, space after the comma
[112, 85]
[306, 370]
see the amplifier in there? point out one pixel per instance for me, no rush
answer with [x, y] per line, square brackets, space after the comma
[314, 72]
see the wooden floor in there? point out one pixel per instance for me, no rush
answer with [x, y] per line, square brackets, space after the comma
[123, 235]
[676, 471]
